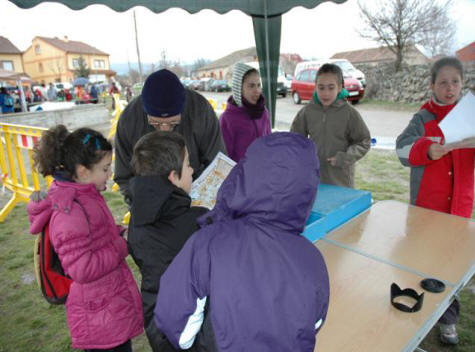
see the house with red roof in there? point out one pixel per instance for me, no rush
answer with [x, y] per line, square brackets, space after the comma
[55, 60]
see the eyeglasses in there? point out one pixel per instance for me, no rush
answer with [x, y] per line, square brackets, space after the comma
[164, 124]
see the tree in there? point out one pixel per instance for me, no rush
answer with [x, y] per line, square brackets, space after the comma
[134, 76]
[82, 70]
[164, 62]
[399, 24]
[199, 63]
[57, 68]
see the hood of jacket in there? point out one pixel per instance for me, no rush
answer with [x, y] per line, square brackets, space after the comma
[239, 70]
[336, 105]
[60, 196]
[160, 195]
[275, 183]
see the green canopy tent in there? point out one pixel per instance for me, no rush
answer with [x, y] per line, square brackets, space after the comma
[266, 18]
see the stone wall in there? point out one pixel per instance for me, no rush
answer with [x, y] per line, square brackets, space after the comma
[95, 116]
[410, 85]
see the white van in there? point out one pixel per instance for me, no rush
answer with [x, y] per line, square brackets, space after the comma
[345, 65]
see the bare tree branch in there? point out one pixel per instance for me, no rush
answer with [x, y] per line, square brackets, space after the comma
[397, 24]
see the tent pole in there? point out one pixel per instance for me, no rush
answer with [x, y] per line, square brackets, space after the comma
[138, 51]
[269, 85]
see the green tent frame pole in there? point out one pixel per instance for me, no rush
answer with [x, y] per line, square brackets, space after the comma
[266, 31]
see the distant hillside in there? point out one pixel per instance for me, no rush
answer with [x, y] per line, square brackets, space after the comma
[122, 68]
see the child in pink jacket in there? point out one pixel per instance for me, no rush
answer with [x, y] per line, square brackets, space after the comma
[104, 309]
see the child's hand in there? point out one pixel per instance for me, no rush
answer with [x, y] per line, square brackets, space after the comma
[332, 161]
[436, 151]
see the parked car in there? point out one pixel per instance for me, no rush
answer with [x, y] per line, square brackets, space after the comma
[220, 85]
[194, 84]
[186, 82]
[303, 86]
[205, 84]
[345, 65]
[281, 89]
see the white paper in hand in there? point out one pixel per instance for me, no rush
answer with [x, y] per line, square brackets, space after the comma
[458, 126]
[205, 188]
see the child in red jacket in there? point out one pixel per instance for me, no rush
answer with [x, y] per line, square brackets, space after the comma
[441, 179]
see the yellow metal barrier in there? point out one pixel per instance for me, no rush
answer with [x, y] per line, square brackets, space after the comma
[17, 175]
[213, 103]
[16, 165]
[119, 107]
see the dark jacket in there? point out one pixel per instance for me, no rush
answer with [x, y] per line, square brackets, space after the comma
[266, 285]
[161, 221]
[199, 126]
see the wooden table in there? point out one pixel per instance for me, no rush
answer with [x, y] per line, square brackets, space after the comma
[391, 242]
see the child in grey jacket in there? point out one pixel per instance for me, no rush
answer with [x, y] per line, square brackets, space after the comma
[336, 128]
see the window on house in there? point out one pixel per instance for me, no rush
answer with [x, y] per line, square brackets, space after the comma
[99, 64]
[75, 63]
[40, 67]
[6, 65]
[38, 49]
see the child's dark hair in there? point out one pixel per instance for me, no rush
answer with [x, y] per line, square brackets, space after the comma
[445, 61]
[331, 68]
[61, 150]
[159, 153]
[248, 73]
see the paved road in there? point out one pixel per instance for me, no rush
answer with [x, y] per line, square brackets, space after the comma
[384, 125]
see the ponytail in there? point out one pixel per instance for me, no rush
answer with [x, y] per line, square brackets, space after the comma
[61, 151]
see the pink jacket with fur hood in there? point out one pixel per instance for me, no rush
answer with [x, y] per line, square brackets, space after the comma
[104, 306]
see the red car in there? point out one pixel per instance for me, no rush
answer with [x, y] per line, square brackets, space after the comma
[303, 86]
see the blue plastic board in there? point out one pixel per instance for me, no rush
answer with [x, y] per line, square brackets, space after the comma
[333, 207]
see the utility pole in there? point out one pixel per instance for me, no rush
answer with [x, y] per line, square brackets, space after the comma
[138, 51]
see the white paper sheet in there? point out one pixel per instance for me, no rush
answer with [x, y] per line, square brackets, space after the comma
[458, 126]
[205, 188]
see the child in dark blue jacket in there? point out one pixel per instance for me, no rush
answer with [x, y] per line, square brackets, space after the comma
[162, 218]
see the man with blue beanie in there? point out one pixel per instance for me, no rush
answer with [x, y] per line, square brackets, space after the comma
[166, 105]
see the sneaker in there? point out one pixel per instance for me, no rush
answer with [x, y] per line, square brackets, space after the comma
[448, 334]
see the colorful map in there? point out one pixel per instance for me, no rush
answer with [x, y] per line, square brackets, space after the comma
[205, 188]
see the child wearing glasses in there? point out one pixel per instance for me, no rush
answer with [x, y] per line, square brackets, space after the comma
[162, 217]
[103, 306]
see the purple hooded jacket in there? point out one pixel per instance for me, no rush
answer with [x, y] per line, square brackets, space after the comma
[248, 273]
[239, 130]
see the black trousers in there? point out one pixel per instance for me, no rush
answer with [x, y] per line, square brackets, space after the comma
[451, 315]
[125, 347]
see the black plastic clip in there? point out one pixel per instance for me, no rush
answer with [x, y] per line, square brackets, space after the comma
[409, 292]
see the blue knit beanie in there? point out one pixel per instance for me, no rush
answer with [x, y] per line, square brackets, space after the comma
[163, 94]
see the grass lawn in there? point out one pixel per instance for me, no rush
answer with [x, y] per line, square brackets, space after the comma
[29, 324]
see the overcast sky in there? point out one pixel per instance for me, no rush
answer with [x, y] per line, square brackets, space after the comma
[315, 33]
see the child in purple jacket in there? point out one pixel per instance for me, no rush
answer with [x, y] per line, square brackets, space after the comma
[248, 280]
[246, 116]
